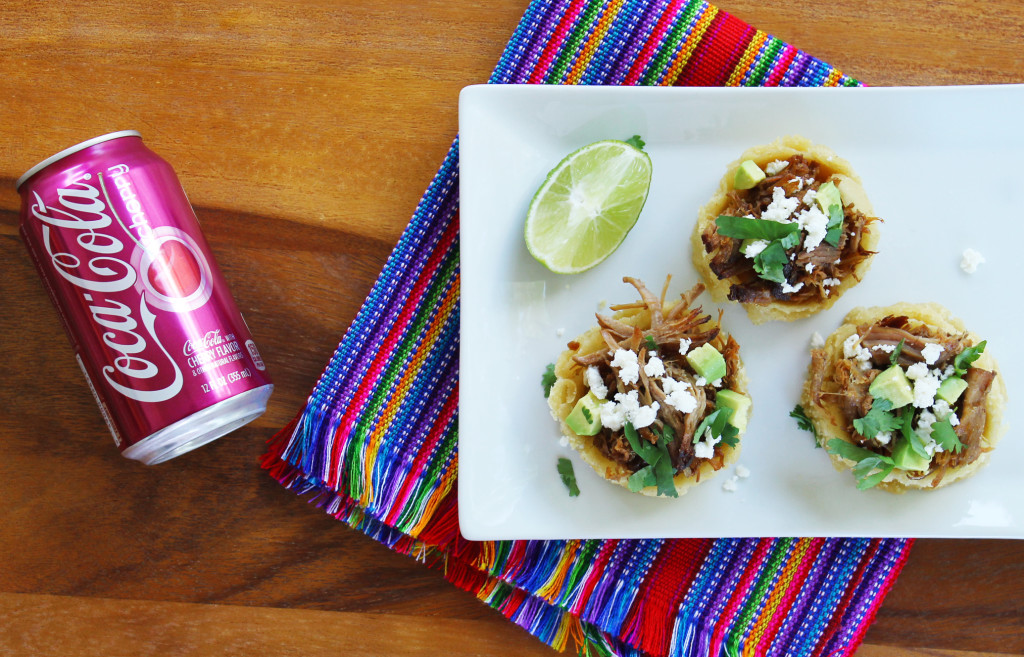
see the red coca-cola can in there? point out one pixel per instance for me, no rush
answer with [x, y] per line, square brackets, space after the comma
[161, 342]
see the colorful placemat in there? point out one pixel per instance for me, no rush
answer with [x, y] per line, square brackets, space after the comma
[375, 445]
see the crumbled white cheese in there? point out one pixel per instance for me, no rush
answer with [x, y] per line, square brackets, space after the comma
[814, 222]
[563, 441]
[644, 416]
[613, 416]
[948, 372]
[684, 346]
[917, 371]
[925, 389]
[755, 247]
[560, 332]
[931, 352]
[953, 420]
[809, 267]
[791, 289]
[626, 362]
[883, 437]
[704, 449]
[853, 349]
[742, 471]
[730, 485]
[970, 261]
[654, 367]
[817, 342]
[781, 206]
[887, 348]
[831, 282]
[678, 395]
[701, 382]
[717, 383]
[776, 166]
[924, 424]
[809, 197]
[941, 409]
[593, 380]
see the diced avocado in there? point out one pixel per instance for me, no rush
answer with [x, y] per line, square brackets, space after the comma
[893, 385]
[905, 458]
[740, 405]
[707, 362]
[578, 421]
[828, 195]
[748, 175]
[951, 389]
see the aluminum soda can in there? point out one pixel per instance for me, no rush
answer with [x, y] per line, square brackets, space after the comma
[161, 342]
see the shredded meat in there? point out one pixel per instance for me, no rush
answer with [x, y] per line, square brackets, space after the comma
[914, 337]
[827, 263]
[662, 339]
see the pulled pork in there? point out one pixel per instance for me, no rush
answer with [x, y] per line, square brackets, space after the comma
[667, 329]
[827, 263]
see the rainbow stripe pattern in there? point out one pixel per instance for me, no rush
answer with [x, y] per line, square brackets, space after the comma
[375, 446]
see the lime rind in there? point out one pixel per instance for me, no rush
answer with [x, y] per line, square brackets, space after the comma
[587, 205]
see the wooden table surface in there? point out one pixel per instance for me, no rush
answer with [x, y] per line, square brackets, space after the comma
[305, 133]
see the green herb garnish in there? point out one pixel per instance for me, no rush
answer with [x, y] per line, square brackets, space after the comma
[636, 142]
[866, 463]
[804, 422]
[718, 422]
[568, 476]
[878, 420]
[651, 344]
[965, 358]
[834, 228]
[659, 463]
[745, 228]
[587, 415]
[771, 262]
[906, 418]
[895, 356]
[944, 434]
[548, 379]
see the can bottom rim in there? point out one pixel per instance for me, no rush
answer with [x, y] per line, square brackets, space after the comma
[201, 427]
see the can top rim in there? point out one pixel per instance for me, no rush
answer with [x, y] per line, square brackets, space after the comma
[74, 149]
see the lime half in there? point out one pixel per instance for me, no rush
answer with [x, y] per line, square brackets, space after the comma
[587, 205]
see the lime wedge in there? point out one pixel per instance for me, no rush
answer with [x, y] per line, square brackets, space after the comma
[587, 205]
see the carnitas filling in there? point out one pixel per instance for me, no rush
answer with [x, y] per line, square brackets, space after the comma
[908, 392]
[650, 387]
[815, 260]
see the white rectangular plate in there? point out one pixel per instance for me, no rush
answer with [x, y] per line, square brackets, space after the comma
[943, 167]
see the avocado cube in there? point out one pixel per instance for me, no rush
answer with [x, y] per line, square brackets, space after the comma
[707, 362]
[893, 385]
[740, 405]
[748, 175]
[905, 458]
[577, 419]
[951, 389]
[828, 195]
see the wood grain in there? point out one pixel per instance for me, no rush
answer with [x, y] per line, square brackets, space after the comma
[305, 134]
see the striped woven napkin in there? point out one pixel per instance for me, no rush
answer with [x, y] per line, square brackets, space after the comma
[376, 444]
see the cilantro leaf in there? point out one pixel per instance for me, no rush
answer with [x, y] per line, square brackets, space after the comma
[587, 415]
[770, 263]
[834, 228]
[878, 420]
[745, 228]
[659, 463]
[866, 463]
[548, 379]
[641, 479]
[791, 240]
[730, 435]
[944, 434]
[895, 356]
[804, 422]
[710, 421]
[636, 142]
[651, 344]
[568, 476]
[965, 358]
[906, 417]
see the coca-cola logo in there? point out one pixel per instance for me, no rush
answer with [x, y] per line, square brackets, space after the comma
[163, 266]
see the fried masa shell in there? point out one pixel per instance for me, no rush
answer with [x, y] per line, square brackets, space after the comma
[569, 388]
[828, 418]
[852, 192]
